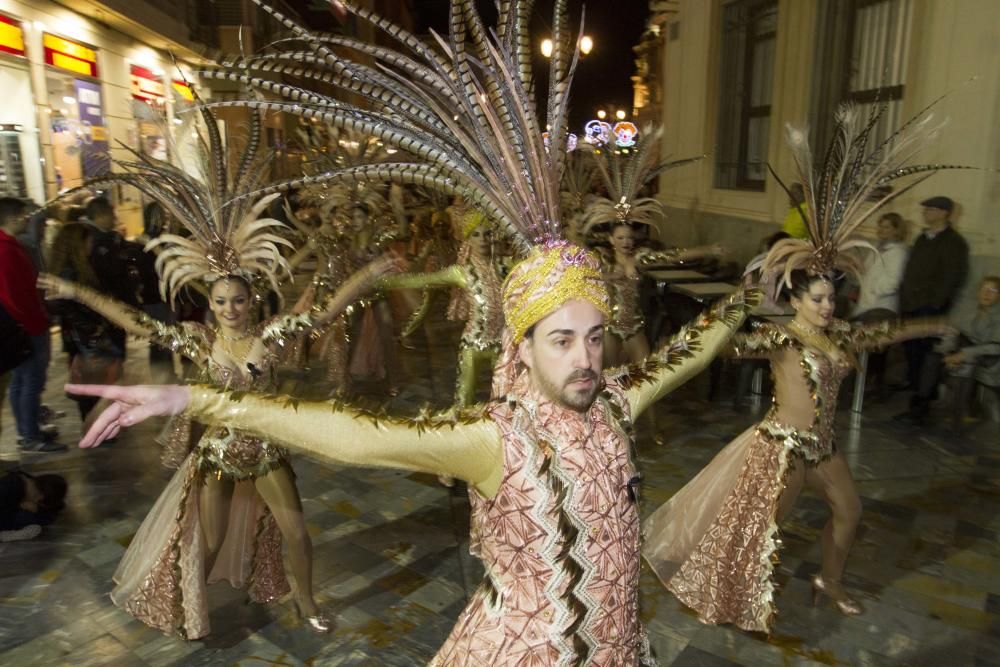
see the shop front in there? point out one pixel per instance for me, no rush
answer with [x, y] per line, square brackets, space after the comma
[20, 163]
[79, 133]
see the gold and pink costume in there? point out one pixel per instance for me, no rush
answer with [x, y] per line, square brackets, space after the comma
[715, 542]
[553, 492]
[161, 578]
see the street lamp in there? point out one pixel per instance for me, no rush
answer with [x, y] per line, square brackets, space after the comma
[602, 114]
[620, 114]
[586, 46]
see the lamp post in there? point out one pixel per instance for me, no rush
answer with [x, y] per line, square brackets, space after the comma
[586, 45]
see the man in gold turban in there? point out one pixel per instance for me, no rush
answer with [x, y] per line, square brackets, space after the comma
[552, 482]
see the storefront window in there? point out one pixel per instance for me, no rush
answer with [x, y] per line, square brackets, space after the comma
[79, 135]
[149, 108]
[20, 165]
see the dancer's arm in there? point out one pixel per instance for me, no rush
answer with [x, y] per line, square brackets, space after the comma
[651, 258]
[301, 255]
[132, 320]
[354, 288]
[306, 316]
[466, 446]
[686, 354]
[881, 334]
[453, 276]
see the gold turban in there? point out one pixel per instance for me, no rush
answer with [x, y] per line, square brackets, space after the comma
[554, 273]
[471, 221]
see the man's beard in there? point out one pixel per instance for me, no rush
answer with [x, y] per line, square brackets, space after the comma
[579, 400]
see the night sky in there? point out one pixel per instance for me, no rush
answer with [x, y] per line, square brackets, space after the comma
[602, 79]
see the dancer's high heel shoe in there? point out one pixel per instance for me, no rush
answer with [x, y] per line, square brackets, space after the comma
[318, 622]
[846, 606]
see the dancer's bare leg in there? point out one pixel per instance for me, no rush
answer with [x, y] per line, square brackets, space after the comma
[277, 488]
[214, 500]
[833, 480]
[795, 479]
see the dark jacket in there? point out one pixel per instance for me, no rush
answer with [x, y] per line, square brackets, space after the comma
[935, 271]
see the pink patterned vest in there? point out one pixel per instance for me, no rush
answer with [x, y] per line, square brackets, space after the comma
[523, 613]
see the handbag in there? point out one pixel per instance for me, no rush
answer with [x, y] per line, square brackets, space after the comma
[16, 346]
[89, 368]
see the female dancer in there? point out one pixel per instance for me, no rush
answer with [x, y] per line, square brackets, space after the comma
[624, 174]
[476, 299]
[215, 496]
[233, 498]
[625, 336]
[353, 232]
[717, 560]
[712, 543]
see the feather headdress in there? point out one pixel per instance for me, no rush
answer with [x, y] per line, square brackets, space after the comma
[857, 177]
[463, 109]
[328, 149]
[624, 173]
[226, 233]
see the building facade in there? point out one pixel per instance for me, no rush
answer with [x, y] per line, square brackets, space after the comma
[735, 72]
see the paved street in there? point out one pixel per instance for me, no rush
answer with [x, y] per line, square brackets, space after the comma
[391, 553]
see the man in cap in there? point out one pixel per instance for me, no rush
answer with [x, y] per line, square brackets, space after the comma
[552, 481]
[936, 268]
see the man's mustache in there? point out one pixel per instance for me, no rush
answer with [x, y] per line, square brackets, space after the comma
[582, 374]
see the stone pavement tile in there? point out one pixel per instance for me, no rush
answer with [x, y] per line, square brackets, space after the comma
[256, 650]
[695, 657]
[101, 554]
[437, 595]
[101, 652]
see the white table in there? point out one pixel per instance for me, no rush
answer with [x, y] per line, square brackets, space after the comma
[677, 276]
[704, 291]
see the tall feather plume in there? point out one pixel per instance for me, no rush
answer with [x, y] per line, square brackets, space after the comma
[855, 180]
[624, 174]
[462, 109]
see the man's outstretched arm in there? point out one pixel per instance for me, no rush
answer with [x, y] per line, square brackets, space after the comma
[466, 446]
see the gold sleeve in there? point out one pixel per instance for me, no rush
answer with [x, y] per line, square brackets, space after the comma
[686, 354]
[467, 445]
[759, 343]
[874, 336]
[453, 276]
[132, 320]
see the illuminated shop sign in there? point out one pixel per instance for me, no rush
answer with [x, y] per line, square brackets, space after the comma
[11, 36]
[147, 86]
[183, 90]
[68, 55]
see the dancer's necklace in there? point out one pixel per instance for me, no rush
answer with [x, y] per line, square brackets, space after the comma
[235, 352]
[816, 338]
[235, 339]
